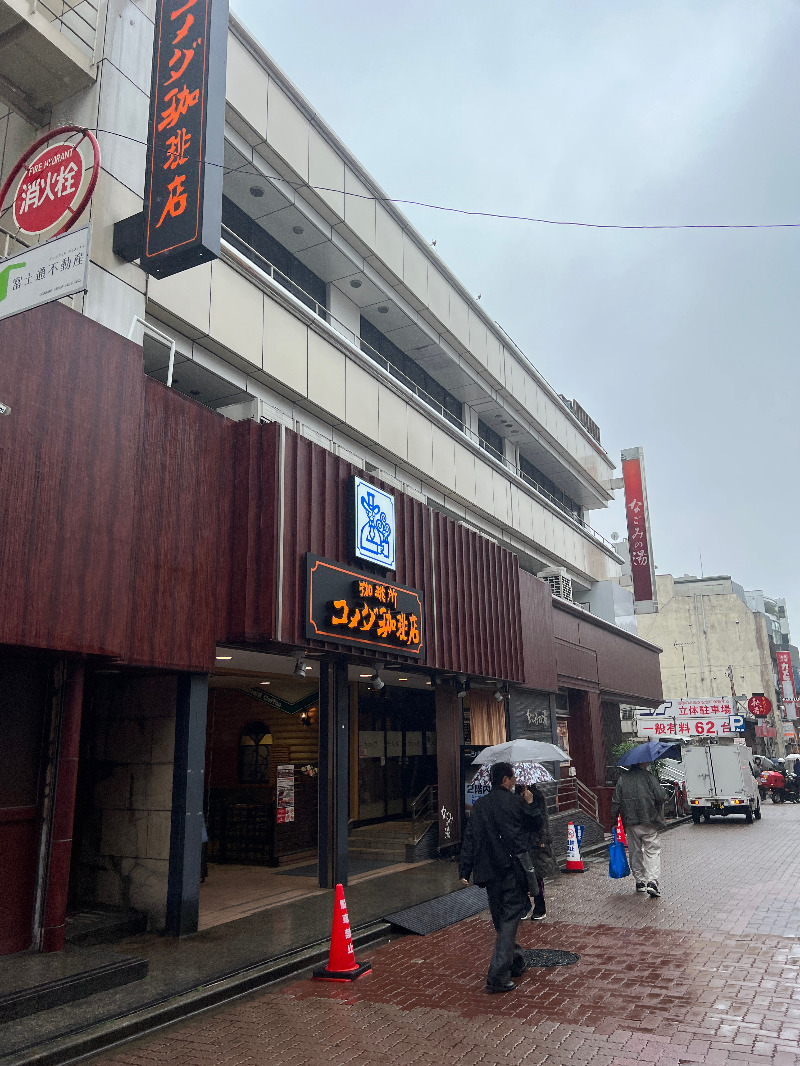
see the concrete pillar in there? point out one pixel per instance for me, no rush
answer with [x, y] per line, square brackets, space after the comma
[183, 888]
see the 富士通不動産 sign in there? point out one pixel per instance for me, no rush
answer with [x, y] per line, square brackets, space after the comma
[350, 607]
[44, 273]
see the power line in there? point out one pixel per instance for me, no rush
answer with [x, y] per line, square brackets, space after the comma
[471, 213]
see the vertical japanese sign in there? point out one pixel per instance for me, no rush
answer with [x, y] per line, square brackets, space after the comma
[185, 143]
[285, 804]
[638, 518]
[786, 683]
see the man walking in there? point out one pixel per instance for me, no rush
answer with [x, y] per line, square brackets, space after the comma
[640, 799]
[493, 853]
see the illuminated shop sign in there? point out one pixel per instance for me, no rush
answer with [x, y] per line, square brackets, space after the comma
[349, 607]
[373, 525]
[183, 177]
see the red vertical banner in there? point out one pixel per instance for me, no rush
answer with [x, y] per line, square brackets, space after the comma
[636, 513]
[786, 684]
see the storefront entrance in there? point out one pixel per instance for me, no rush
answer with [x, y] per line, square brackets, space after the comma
[396, 751]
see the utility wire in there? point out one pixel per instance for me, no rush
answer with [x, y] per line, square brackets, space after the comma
[493, 214]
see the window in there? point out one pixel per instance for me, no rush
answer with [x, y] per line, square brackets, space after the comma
[541, 481]
[489, 440]
[289, 271]
[254, 745]
[403, 367]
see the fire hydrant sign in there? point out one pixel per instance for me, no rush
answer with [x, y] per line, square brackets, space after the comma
[46, 192]
[44, 273]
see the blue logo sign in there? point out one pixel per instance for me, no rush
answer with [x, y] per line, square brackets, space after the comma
[374, 510]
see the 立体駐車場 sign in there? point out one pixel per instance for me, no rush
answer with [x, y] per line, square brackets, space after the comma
[44, 273]
[361, 610]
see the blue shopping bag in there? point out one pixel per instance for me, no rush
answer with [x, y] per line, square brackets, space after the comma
[617, 859]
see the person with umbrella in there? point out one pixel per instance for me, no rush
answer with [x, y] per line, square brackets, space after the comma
[493, 853]
[640, 799]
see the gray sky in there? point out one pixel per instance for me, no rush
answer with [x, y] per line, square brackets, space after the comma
[606, 111]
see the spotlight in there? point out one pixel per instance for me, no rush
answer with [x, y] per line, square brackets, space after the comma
[376, 682]
[300, 670]
[499, 694]
[305, 719]
[463, 686]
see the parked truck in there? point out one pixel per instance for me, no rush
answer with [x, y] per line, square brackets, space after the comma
[720, 780]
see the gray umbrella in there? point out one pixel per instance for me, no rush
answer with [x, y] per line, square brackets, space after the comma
[521, 751]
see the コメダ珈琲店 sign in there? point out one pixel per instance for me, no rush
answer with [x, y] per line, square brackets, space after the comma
[183, 176]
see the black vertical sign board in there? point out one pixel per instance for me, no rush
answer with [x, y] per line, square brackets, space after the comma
[185, 142]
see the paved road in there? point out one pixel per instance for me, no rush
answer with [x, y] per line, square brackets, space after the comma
[708, 974]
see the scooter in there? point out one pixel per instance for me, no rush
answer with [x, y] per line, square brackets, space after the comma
[780, 791]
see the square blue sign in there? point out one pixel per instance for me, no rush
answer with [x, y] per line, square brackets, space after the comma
[374, 521]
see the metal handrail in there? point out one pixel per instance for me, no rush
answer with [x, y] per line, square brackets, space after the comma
[571, 794]
[421, 807]
[278, 276]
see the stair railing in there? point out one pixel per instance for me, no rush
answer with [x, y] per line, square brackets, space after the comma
[423, 809]
[571, 794]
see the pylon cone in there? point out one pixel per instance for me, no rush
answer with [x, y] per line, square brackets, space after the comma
[574, 860]
[342, 965]
[621, 831]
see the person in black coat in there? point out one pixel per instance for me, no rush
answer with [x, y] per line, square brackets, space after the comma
[539, 844]
[493, 853]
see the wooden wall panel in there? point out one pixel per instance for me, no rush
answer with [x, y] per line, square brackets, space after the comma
[180, 532]
[254, 534]
[621, 665]
[538, 638]
[67, 481]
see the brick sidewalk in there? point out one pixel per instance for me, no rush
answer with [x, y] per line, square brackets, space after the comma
[708, 974]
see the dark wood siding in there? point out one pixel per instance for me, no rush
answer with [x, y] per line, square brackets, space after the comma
[592, 655]
[68, 456]
[538, 638]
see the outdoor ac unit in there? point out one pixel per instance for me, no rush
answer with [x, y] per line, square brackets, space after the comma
[558, 580]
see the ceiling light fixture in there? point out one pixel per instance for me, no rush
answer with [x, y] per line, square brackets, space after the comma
[383, 310]
[365, 675]
[463, 686]
[402, 679]
[499, 695]
[265, 682]
[256, 192]
[298, 230]
[224, 656]
[299, 671]
[355, 284]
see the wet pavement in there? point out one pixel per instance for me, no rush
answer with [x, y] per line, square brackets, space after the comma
[708, 974]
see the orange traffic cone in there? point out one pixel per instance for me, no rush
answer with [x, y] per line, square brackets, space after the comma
[342, 965]
[574, 861]
[621, 832]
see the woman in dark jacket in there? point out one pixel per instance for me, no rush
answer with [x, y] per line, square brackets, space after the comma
[540, 847]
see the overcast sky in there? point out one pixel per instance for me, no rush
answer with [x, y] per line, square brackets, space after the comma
[606, 111]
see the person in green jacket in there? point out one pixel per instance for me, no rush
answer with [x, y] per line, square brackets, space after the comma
[640, 799]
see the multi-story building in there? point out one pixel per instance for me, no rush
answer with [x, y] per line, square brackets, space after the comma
[178, 470]
[718, 640]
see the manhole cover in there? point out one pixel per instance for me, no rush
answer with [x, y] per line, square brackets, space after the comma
[549, 957]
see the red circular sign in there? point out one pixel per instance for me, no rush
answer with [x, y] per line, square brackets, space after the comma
[760, 706]
[51, 183]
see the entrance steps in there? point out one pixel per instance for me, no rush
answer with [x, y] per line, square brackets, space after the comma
[393, 841]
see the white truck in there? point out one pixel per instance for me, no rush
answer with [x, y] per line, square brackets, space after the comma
[719, 780]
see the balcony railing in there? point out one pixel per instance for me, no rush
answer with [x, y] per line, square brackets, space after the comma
[76, 19]
[322, 312]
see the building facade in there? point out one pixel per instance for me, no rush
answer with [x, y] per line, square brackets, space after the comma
[178, 470]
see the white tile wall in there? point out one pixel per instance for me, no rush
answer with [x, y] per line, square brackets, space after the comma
[247, 86]
[187, 295]
[285, 347]
[237, 313]
[326, 376]
[325, 172]
[287, 130]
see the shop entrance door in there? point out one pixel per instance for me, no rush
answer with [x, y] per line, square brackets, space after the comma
[396, 751]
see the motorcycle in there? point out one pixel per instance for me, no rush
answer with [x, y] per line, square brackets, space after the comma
[780, 790]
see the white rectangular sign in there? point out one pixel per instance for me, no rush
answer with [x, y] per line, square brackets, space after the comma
[703, 707]
[715, 725]
[45, 273]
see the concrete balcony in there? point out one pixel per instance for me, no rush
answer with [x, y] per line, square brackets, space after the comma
[46, 52]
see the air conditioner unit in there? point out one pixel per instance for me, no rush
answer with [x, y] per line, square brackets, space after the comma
[558, 580]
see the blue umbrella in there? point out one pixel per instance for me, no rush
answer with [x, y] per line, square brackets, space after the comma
[649, 752]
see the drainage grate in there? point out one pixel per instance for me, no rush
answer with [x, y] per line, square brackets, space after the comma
[549, 957]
